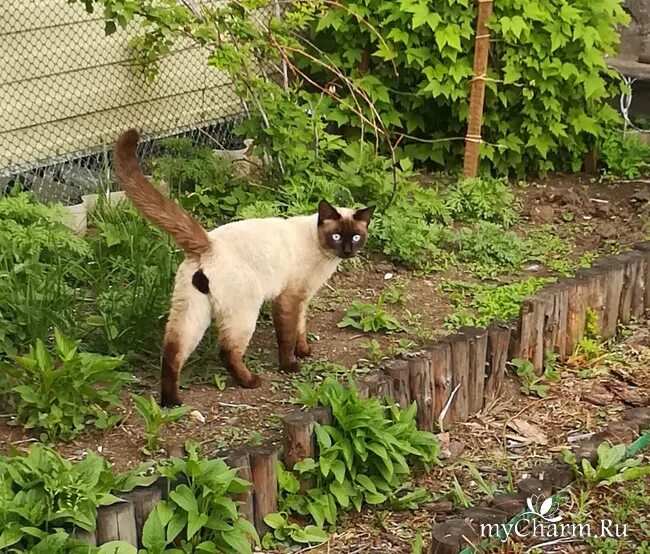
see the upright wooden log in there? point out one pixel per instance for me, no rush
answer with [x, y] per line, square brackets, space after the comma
[422, 390]
[644, 247]
[298, 427]
[515, 339]
[628, 290]
[117, 523]
[379, 385]
[84, 536]
[459, 409]
[595, 290]
[452, 536]
[399, 372]
[576, 312]
[322, 415]
[638, 289]
[478, 341]
[614, 277]
[264, 461]
[239, 459]
[144, 501]
[497, 356]
[443, 379]
[531, 325]
[560, 292]
[477, 92]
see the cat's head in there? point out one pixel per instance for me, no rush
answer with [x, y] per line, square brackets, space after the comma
[343, 231]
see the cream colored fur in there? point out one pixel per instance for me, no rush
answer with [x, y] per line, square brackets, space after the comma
[250, 261]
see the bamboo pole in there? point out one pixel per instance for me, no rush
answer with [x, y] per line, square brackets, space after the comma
[477, 93]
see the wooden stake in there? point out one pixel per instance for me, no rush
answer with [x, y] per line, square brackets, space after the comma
[644, 247]
[264, 462]
[144, 502]
[379, 385]
[116, 523]
[459, 409]
[595, 292]
[477, 93]
[630, 268]
[297, 432]
[239, 459]
[576, 312]
[531, 339]
[497, 356]
[399, 372]
[422, 390]
[478, 340]
[639, 288]
[440, 353]
[614, 277]
[452, 536]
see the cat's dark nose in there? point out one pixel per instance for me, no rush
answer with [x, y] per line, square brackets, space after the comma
[347, 250]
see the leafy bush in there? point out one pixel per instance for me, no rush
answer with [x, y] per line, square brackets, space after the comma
[479, 305]
[130, 278]
[201, 515]
[204, 182]
[546, 84]
[365, 456]
[482, 199]
[42, 493]
[627, 157]
[489, 249]
[60, 394]
[40, 268]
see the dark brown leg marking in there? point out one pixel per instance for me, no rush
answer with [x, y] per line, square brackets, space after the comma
[236, 367]
[286, 310]
[169, 375]
[303, 349]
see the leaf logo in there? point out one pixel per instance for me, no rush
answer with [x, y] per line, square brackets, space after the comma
[547, 511]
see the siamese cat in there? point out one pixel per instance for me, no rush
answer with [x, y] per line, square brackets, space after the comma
[230, 271]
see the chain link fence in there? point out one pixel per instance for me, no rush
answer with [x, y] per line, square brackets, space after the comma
[67, 90]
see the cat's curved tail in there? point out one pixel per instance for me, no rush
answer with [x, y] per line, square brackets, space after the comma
[159, 210]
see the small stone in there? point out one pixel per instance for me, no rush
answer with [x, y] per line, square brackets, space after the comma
[388, 276]
[542, 214]
[195, 414]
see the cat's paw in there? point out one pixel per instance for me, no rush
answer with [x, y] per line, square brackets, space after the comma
[251, 382]
[290, 367]
[303, 350]
[170, 400]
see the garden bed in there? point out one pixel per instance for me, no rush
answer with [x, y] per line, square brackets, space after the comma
[590, 218]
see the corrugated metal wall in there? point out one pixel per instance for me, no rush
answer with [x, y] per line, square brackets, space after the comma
[67, 89]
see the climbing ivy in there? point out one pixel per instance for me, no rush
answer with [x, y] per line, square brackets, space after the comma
[547, 78]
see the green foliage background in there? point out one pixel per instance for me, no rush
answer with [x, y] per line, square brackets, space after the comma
[547, 78]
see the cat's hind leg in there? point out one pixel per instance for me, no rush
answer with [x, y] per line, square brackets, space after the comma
[236, 327]
[189, 317]
[303, 349]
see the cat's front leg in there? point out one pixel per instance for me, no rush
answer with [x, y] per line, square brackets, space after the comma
[286, 315]
[303, 349]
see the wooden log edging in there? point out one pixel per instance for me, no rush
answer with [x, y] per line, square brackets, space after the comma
[451, 379]
[461, 532]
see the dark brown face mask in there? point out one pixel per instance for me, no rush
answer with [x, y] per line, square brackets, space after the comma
[345, 236]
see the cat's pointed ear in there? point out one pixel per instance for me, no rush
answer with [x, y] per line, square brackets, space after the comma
[327, 211]
[364, 214]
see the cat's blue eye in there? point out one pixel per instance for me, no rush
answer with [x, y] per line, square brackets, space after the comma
[336, 237]
[356, 238]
